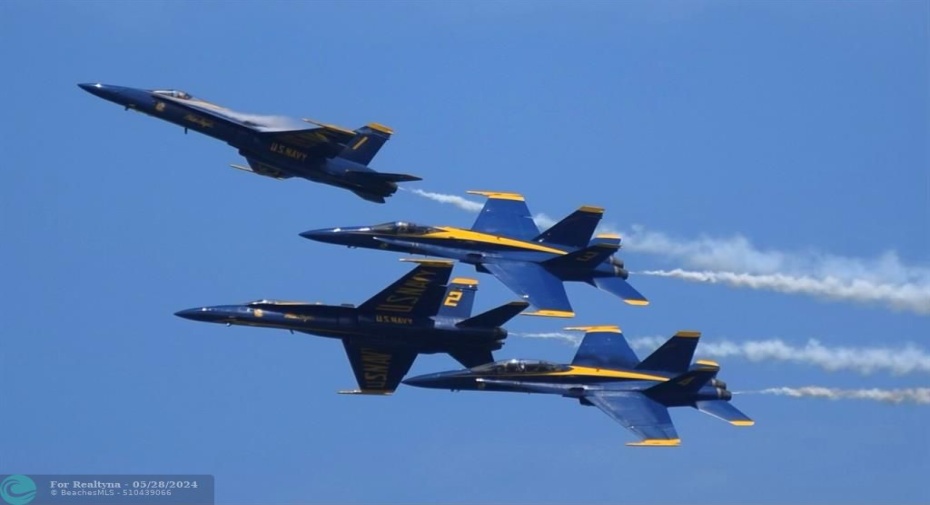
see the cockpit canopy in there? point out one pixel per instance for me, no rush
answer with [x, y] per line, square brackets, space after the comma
[402, 228]
[266, 302]
[173, 93]
[518, 366]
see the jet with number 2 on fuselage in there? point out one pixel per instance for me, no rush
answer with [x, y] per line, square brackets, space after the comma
[505, 242]
[607, 374]
[421, 313]
[273, 146]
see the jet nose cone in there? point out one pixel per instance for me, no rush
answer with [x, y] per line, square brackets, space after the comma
[414, 381]
[321, 235]
[423, 381]
[117, 94]
[95, 88]
[198, 314]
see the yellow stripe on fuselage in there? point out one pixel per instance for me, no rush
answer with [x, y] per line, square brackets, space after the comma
[583, 371]
[450, 233]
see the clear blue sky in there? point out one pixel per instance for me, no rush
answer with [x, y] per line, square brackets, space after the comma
[802, 126]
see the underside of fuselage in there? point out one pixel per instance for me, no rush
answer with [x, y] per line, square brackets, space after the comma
[274, 146]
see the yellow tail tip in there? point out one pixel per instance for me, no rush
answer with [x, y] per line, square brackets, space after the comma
[605, 327]
[551, 313]
[656, 442]
[500, 195]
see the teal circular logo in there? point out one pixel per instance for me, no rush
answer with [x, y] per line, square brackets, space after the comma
[17, 490]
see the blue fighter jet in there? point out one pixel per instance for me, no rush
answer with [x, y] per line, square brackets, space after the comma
[607, 374]
[505, 242]
[273, 146]
[421, 313]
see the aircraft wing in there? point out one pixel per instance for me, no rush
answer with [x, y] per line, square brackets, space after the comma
[505, 214]
[419, 293]
[535, 284]
[312, 142]
[378, 370]
[640, 414]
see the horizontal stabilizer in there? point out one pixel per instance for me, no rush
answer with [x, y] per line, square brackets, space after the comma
[722, 409]
[494, 317]
[380, 177]
[589, 257]
[684, 384]
[656, 442]
[674, 355]
[471, 358]
[371, 197]
[619, 287]
[575, 230]
[364, 392]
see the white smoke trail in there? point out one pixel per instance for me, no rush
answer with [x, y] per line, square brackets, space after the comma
[543, 221]
[903, 360]
[738, 254]
[920, 396]
[910, 297]
[458, 201]
[865, 360]
[567, 337]
[736, 262]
